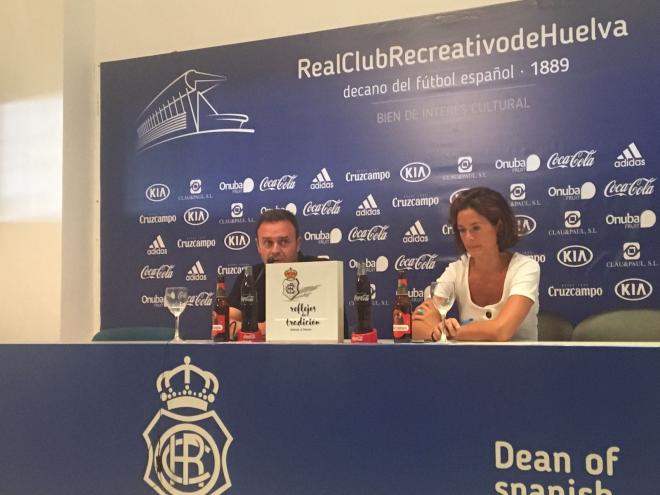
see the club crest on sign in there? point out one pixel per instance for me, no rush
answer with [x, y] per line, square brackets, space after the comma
[290, 284]
[187, 441]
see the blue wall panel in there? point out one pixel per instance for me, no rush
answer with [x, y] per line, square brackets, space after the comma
[553, 104]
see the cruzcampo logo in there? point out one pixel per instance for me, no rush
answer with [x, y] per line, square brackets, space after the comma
[187, 441]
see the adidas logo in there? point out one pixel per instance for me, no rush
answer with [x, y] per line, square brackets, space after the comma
[630, 157]
[368, 207]
[157, 247]
[322, 180]
[415, 234]
[196, 273]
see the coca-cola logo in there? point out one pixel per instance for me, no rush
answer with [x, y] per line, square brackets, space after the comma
[157, 192]
[329, 207]
[362, 297]
[425, 261]
[201, 299]
[160, 272]
[639, 187]
[582, 158]
[196, 215]
[375, 233]
[286, 182]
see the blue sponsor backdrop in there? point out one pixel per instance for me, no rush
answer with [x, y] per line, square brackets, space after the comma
[366, 133]
[304, 420]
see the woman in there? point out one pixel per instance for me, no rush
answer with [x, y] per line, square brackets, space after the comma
[496, 289]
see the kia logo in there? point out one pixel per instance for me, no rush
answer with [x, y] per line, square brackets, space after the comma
[157, 192]
[526, 225]
[196, 216]
[415, 172]
[575, 256]
[237, 240]
[633, 289]
[456, 193]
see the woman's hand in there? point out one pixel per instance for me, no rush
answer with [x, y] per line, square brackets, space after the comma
[425, 320]
[425, 309]
[450, 327]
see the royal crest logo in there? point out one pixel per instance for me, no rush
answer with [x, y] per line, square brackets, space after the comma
[291, 284]
[187, 443]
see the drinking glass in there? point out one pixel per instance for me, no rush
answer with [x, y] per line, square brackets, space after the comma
[443, 296]
[176, 299]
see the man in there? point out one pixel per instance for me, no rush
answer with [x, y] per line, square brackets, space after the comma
[278, 241]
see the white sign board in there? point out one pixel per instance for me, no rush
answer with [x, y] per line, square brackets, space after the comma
[305, 302]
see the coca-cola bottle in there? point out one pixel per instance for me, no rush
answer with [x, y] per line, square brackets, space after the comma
[249, 306]
[362, 300]
[402, 312]
[220, 323]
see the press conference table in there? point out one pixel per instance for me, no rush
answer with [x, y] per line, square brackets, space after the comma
[332, 418]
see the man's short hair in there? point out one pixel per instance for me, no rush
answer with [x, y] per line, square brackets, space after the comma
[278, 215]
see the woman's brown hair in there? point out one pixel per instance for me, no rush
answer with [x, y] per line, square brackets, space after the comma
[491, 205]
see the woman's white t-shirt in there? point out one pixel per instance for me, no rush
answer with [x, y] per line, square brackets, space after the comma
[522, 278]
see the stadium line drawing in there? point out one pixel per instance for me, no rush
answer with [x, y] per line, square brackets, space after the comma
[183, 109]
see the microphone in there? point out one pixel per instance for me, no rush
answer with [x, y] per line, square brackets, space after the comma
[269, 260]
